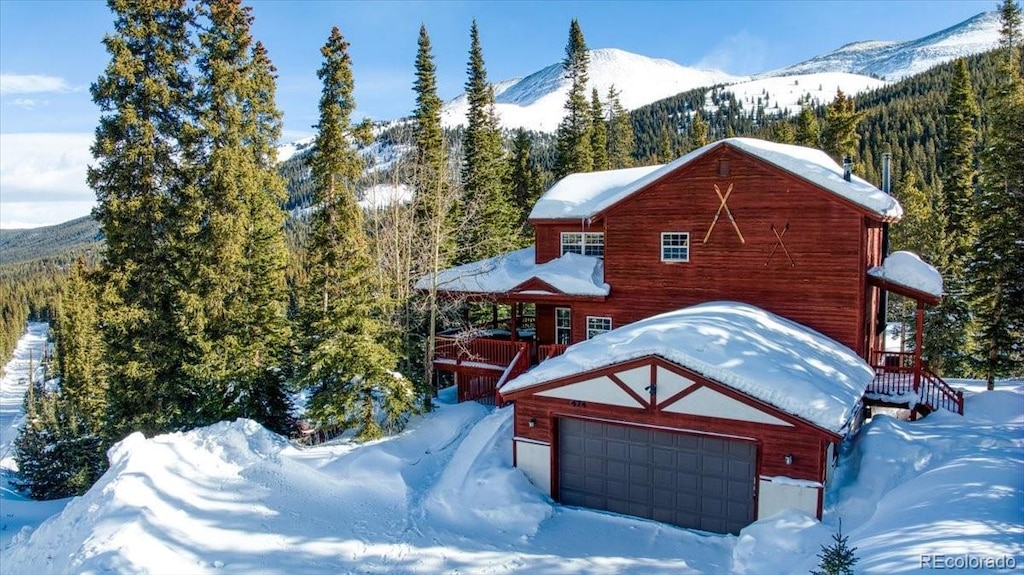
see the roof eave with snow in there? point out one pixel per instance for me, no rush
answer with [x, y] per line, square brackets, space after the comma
[772, 359]
[587, 196]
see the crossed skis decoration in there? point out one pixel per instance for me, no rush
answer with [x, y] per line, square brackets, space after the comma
[724, 199]
[780, 242]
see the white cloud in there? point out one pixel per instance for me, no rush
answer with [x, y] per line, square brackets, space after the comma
[31, 84]
[740, 53]
[27, 103]
[44, 168]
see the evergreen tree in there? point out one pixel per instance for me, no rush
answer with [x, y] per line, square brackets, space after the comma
[80, 350]
[807, 131]
[838, 558]
[997, 271]
[492, 229]
[142, 141]
[666, 151]
[598, 133]
[839, 137]
[238, 255]
[621, 145]
[524, 180]
[344, 364]
[437, 207]
[949, 324]
[574, 151]
[698, 131]
[57, 452]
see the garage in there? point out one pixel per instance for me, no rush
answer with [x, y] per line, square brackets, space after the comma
[711, 417]
[695, 481]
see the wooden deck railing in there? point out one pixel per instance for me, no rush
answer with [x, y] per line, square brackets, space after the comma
[894, 377]
[489, 351]
[549, 351]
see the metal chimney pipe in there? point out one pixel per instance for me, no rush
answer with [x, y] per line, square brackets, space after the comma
[883, 296]
[847, 168]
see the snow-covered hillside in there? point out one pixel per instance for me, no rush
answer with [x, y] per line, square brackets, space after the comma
[444, 497]
[537, 101]
[783, 93]
[896, 60]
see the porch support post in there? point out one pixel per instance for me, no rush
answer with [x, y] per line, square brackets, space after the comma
[918, 345]
[494, 315]
[515, 321]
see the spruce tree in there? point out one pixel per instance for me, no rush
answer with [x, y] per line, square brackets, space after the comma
[838, 558]
[698, 131]
[839, 137]
[437, 207]
[492, 227]
[524, 181]
[598, 133]
[344, 364]
[997, 270]
[949, 324]
[573, 150]
[666, 151]
[621, 139]
[807, 131]
[143, 144]
[80, 349]
[239, 255]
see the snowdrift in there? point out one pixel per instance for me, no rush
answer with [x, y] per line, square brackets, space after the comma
[443, 497]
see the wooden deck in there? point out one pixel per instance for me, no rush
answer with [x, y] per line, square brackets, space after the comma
[899, 383]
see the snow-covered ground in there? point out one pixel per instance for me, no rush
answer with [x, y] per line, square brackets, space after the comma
[443, 497]
[16, 510]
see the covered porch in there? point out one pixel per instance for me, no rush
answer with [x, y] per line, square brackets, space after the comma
[488, 349]
[902, 380]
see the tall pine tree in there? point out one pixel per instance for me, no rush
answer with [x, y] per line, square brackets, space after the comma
[143, 138]
[839, 136]
[997, 271]
[598, 133]
[807, 131]
[239, 253]
[343, 360]
[698, 130]
[491, 229]
[80, 349]
[437, 207]
[574, 151]
[524, 181]
[949, 324]
[621, 139]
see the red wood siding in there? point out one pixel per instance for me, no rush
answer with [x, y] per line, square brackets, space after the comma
[823, 290]
[872, 296]
[548, 237]
[804, 442]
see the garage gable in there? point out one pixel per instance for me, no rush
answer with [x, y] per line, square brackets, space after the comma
[656, 385]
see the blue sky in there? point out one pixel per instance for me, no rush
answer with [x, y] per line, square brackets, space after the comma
[50, 52]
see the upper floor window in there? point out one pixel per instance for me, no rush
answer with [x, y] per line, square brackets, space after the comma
[675, 246]
[586, 243]
[598, 325]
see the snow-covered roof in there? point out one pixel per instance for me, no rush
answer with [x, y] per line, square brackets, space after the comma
[908, 270]
[755, 352]
[571, 274]
[579, 196]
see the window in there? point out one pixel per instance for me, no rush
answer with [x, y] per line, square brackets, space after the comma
[586, 243]
[598, 325]
[563, 326]
[675, 246]
[723, 167]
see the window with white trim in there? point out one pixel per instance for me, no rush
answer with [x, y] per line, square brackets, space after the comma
[563, 325]
[586, 243]
[598, 325]
[675, 246]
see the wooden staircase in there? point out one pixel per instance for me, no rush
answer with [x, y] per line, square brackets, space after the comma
[900, 383]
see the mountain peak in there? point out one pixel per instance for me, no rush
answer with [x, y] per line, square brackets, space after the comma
[894, 60]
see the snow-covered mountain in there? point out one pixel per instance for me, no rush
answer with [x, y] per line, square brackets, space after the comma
[784, 93]
[536, 101]
[896, 60]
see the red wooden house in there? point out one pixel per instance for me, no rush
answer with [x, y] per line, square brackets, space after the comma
[778, 227]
